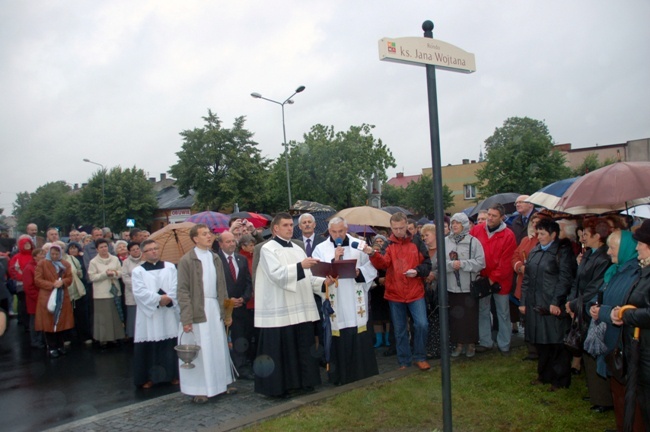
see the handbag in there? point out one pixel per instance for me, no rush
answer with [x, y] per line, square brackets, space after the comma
[480, 287]
[51, 302]
[616, 362]
[574, 340]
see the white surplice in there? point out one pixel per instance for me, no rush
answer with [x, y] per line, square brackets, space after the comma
[213, 371]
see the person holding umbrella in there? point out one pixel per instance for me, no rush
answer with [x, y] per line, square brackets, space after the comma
[53, 274]
[637, 352]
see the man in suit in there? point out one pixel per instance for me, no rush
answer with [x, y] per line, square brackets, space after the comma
[520, 224]
[239, 286]
[307, 225]
[32, 232]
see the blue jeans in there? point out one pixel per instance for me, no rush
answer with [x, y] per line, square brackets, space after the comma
[503, 318]
[419, 326]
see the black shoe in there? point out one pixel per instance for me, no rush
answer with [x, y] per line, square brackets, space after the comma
[575, 371]
[482, 349]
[54, 353]
[390, 351]
[601, 409]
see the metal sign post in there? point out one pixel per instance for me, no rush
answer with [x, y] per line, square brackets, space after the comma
[434, 54]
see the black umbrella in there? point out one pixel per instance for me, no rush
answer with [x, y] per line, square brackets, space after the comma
[631, 381]
[506, 199]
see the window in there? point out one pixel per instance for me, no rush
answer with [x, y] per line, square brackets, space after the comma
[469, 191]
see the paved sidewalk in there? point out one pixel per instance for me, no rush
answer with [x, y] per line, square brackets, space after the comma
[176, 412]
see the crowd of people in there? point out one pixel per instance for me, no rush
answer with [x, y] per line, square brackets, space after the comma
[276, 310]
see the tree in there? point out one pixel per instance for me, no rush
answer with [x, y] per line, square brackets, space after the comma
[39, 207]
[591, 163]
[420, 196]
[223, 166]
[520, 158]
[128, 195]
[393, 196]
[332, 167]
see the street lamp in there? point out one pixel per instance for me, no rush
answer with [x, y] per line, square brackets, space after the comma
[103, 194]
[284, 131]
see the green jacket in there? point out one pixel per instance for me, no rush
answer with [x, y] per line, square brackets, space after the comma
[190, 288]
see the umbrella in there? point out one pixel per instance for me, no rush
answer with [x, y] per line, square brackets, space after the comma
[328, 314]
[256, 219]
[395, 209]
[642, 211]
[365, 215]
[632, 372]
[59, 306]
[613, 187]
[550, 195]
[174, 241]
[360, 229]
[217, 222]
[506, 199]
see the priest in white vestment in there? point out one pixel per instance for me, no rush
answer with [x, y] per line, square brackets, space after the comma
[156, 322]
[352, 355]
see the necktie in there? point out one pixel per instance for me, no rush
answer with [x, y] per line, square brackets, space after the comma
[308, 248]
[524, 220]
[233, 272]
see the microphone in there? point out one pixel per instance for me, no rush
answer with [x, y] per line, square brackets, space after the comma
[358, 245]
[338, 242]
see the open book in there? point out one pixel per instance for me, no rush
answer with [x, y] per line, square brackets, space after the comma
[341, 268]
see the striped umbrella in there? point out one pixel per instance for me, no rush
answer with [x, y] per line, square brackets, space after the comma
[549, 196]
[217, 222]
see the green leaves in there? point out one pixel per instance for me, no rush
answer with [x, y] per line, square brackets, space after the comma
[520, 158]
[223, 166]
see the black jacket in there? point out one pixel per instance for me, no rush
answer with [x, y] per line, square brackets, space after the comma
[639, 296]
[243, 286]
[547, 281]
[589, 277]
[519, 228]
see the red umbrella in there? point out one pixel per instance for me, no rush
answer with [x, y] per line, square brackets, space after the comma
[611, 188]
[217, 222]
[256, 219]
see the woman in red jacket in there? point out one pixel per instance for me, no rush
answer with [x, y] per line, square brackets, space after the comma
[31, 296]
[16, 267]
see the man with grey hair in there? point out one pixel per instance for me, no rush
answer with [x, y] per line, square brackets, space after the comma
[307, 225]
[352, 354]
[520, 223]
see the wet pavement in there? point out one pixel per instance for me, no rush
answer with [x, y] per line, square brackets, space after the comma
[92, 390]
[37, 393]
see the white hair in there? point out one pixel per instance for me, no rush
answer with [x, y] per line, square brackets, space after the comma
[306, 215]
[335, 221]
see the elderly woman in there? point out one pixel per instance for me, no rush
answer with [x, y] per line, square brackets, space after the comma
[134, 260]
[548, 278]
[589, 278]
[379, 309]
[639, 317]
[122, 250]
[53, 274]
[78, 294]
[104, 272]
[465, 259]
[618, 279]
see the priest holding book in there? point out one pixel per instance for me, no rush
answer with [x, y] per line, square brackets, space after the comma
[352, 355]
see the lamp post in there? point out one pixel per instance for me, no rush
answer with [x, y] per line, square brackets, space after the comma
[103, 194]
[284, 131]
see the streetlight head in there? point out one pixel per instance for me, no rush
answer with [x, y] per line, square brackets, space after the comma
[86, 160]
[300, 89]
[256, 95]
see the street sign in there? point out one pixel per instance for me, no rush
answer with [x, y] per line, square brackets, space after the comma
[420, 51]
[130, 223]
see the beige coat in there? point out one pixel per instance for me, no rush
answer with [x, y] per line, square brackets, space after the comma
[190, 288]
[101, 282]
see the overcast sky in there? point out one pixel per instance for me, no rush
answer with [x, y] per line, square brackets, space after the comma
[116, 81]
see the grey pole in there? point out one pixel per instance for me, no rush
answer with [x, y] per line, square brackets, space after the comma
[439, 214]
[289, 101]
[103, 194]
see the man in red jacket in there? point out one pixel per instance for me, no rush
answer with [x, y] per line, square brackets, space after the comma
[406, 263]
[499, 244]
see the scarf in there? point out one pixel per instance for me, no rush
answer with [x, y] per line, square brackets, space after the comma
[58, 265]
[626, 251]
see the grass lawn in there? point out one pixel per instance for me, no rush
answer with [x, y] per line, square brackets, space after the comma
[489, 393]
